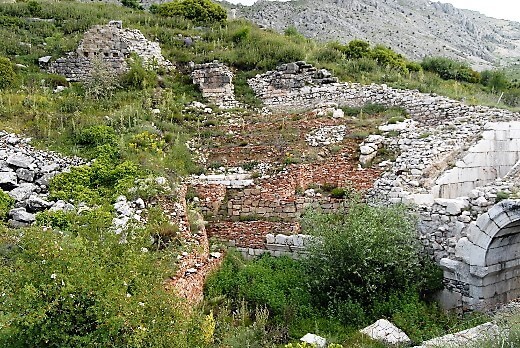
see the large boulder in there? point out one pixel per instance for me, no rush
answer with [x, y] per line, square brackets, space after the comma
[20, 160]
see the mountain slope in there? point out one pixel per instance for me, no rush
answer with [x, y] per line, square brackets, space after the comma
[415, 28]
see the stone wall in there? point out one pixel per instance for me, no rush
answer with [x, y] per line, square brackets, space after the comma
[110, 45]
[284, 196]
[215, 81]
[250, 234]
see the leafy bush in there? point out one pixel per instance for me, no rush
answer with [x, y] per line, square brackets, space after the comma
[202, 11]
[357, 49]
[97, 135]
[86, 290]
[6, 203]
[450, 69]
[339, 192]
[102, 180]
[278, 283]
[132, 4]
[7, 74]
[386, 57]
[495, 79]
[362, 255]
[138, 76]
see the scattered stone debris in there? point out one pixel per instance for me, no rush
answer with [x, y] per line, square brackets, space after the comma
[386, 332]
[326, 135]
[484, 332]
[25, 174]
[127, 213]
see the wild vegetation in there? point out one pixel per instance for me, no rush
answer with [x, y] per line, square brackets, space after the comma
[364, 265]
[70, 282]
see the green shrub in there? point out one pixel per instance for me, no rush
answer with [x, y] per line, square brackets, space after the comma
[86, 290]
[363, 254]
[53, 80]
[57, 219]
[495, 79]
[138, 76]
[339, 192]
[202, 11]
[388, 58]
[449, 69]
[34, 8]
[132, 4]
[6, 203]
[7, 74]
[357, 49]
[277, 283]
[101, 180]
[97, 135]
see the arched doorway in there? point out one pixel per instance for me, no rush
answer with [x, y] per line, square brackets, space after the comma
[486, 269]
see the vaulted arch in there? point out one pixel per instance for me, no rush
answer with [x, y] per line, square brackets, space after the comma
[487, 271]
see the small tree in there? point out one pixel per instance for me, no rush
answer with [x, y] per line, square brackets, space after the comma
[200, 11]
[7, 74]
[357, 49]
[363, 255]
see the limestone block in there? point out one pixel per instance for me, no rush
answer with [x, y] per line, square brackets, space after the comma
[20, 160]
[314, 340]
[23, 191]
[21, 215]
[281, 239]
[384, 331]
[8, 180]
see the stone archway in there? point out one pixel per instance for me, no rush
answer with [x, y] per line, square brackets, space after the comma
[486, 269]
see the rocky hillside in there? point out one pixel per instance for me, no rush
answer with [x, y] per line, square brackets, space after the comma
[415, 28]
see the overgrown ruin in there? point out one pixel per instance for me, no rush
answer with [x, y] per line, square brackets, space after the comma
[109, 45]
[455, 164]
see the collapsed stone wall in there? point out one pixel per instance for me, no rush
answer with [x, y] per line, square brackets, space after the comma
[250, 234]
[25, 173]
[215, 81]
[110, 45]
[282, 196]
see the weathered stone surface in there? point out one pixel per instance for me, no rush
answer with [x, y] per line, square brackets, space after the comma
[8, 180]
[23, 191]
[21, 215]
[25, 174]
[386, 332]
[487, 331]
[113, 45]
[19, 160]
[35, 204]
[215, 81]
[314, 340]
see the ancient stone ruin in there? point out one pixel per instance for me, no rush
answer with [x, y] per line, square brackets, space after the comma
[289, 78]
[109, 45]
[456, 164]
[215, 81]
